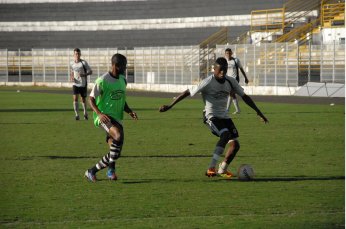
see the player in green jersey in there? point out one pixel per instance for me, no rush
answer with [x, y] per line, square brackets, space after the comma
[108, 101]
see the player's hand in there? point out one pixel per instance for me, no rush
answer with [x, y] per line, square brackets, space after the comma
[246, 81]
[104, 118]
[133, 115]
[263, 118]
[164, 108]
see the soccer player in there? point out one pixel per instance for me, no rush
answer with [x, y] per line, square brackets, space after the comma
[108, 101]
[80, 69]
[233, 70]
[215, 91]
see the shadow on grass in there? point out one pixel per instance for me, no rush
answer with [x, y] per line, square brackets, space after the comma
[123, 156]
[218, 179]
[35, 110]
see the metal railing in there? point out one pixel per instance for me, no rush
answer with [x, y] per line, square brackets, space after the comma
[288, 64]
[268, 64]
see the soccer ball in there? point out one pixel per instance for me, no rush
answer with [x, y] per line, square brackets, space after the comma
[246, 172]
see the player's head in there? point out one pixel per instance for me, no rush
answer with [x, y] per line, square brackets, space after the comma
[228, 53]
[220, 67]
[119, 63]
[77, 54]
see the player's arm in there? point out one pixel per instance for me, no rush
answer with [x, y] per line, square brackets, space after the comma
[244, 74]
[128, 110]
[252, 104]
[180, 97]
[71, 75]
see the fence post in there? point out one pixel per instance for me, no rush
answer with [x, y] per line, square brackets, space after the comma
[275, 63]
[309, 67]
[254, 64]
[68, 65]
[207, 71]
[333, 61]
[158, 65]
[55, 77]
[20, 66]
[286, 51]
[7, 65]
[191, 53]
[182, 64]
[265, 64]
[32, 66]
[44, 66]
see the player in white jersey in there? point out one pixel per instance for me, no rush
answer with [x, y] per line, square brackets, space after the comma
[80, 69]
[215, 91]
[234, 65]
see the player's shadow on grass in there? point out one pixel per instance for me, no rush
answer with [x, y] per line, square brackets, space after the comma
[272, 179]
[297, 178]
[34, 110]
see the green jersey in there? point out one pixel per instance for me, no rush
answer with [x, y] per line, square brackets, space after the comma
[110, 96]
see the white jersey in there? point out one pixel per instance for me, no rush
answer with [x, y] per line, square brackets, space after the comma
[232, 70]
[215, 95]
[77, 69]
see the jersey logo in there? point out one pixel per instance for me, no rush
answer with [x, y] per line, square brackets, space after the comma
[116, 95]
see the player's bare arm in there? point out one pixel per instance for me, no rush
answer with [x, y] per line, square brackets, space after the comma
[103, 118]
[252, 104]
[244, 74]
[128, 110]
[180, 97]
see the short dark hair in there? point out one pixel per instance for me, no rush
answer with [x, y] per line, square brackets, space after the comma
[119, 59]
[76, 50]
[228, 50]
[222, 62]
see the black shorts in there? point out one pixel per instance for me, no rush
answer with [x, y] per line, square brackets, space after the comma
[107, 126]
[82, 91]
[219, 126]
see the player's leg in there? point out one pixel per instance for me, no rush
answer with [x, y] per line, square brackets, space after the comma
[232, 150]
[115, 146]
[84, 95]
[235, 103]
[75, 101]
[218, 128]
[115, 138]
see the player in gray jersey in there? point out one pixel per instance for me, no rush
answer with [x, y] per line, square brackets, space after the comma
[234, 65]
[80, 69]
[215, 91]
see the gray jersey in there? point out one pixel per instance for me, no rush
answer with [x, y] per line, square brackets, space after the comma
[77, 69]
[215, 95]
[232, 70]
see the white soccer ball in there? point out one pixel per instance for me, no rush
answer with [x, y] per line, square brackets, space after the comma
[246, 172]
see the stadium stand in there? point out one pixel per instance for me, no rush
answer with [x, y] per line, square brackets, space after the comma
[123, 11]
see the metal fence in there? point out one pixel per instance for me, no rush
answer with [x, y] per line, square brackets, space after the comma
[274, 64]
[167, 65]
[287, 64]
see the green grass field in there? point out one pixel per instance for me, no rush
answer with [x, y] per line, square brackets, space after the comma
[299, 160]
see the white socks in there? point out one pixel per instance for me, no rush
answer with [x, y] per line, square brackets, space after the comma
[236, 105]
[223, 167]
[84, 109]
[76, 108]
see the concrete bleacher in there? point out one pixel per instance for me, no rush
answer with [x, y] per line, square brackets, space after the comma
[12, 38]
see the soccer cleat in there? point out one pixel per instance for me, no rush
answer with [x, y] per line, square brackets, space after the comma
[77, 117]
[90, 176]
[111, 174]
[86, 117]
[226, 174]
[236, 112]
[211, 172]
